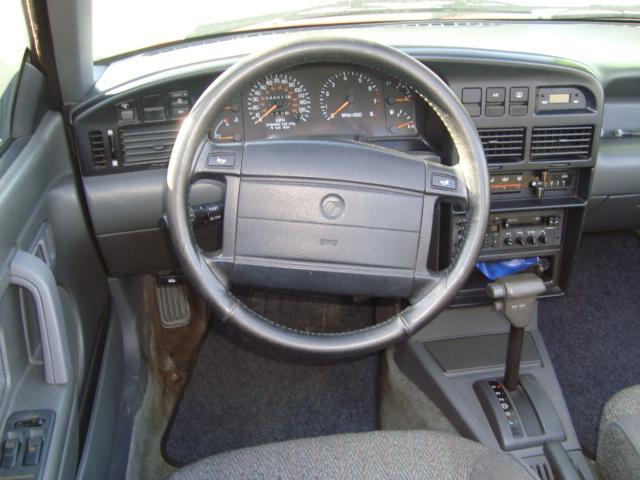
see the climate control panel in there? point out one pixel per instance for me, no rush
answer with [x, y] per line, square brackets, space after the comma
[512, 231]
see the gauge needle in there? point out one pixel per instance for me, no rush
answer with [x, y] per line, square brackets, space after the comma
[273, 107]
[340, 108]
[405, 124]
[225, 137]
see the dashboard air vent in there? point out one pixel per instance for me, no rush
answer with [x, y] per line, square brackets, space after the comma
[561, 142]
[147, 145]
[98, 149]
[502, 144]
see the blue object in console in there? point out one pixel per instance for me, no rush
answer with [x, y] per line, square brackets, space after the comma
[501, 268]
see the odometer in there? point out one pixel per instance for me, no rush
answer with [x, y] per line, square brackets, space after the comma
[350, 95]
[278, 102]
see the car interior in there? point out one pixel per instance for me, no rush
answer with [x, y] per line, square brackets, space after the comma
[320, 239]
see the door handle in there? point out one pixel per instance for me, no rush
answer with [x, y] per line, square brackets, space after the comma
[34, 275]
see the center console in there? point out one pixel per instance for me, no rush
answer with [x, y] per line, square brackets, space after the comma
[483, 362]
[540, 147]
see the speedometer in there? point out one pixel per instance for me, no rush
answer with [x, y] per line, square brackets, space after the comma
[278, 102]
[350, 95]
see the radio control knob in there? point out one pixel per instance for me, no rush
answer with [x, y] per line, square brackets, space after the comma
[520, 240]
[542, 238]
[508, 241]
[531, 240]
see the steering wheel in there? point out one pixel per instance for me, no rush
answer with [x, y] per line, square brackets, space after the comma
[328, 215]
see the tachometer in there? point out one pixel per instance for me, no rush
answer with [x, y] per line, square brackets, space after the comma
[278, 102]
[350, 95]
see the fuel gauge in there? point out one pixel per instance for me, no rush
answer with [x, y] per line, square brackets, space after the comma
[402, 121]
[227, 127]
[401, 109]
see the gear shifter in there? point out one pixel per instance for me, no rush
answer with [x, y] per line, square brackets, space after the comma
[518, 408]
[515, 296]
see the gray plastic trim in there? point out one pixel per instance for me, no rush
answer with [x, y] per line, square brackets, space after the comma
[126, 203]
[618, 168]
[454, 393]
[483, 351]
[31, 273]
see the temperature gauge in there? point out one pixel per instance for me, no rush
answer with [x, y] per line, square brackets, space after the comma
[401, 108]
[227, 127]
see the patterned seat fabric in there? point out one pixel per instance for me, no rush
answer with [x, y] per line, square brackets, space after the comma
[619, 436]
[374, 455]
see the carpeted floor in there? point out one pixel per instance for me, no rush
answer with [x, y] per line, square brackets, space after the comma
[242, 393]
[593, 332]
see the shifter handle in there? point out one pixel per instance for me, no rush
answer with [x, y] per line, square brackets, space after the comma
[515, 296]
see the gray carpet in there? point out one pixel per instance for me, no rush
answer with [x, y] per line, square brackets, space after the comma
[593, 332]
[242, 393]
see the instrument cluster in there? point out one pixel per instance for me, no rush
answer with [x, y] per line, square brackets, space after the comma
[319, 101]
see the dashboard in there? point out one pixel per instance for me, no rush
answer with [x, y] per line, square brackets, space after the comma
[543, 123]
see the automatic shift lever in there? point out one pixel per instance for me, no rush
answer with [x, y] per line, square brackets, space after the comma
[515, 297]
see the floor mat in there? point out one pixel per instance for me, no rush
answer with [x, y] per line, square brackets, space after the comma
[593, 332]
[242, 393]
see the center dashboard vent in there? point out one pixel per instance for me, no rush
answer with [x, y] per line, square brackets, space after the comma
[569, 143]
[502, 144]
[147, 145]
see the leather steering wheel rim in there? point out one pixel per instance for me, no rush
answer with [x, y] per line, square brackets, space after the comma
[471, 167]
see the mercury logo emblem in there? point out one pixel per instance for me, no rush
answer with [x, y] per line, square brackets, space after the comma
[332, 206]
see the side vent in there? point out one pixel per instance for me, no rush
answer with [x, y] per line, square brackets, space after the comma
[568, 143]
[98, 149]
[502, 144]
[147, 145]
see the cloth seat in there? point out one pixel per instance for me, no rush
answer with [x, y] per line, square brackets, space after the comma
[618, 454]
[373, 455]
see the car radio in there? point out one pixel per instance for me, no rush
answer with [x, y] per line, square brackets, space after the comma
[511, 231]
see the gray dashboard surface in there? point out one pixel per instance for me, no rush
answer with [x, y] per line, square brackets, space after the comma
[134, 201]
[605, 48]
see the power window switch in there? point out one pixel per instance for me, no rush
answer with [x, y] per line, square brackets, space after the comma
[33, 451]
[10, 450]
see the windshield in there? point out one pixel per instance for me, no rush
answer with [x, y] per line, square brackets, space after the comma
[122, 26]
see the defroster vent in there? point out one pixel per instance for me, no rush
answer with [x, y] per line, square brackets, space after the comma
[502, 144]
[147, 145]
[568, 143]
[98, 149]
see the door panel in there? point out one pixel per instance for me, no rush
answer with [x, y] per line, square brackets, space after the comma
[41, 215]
